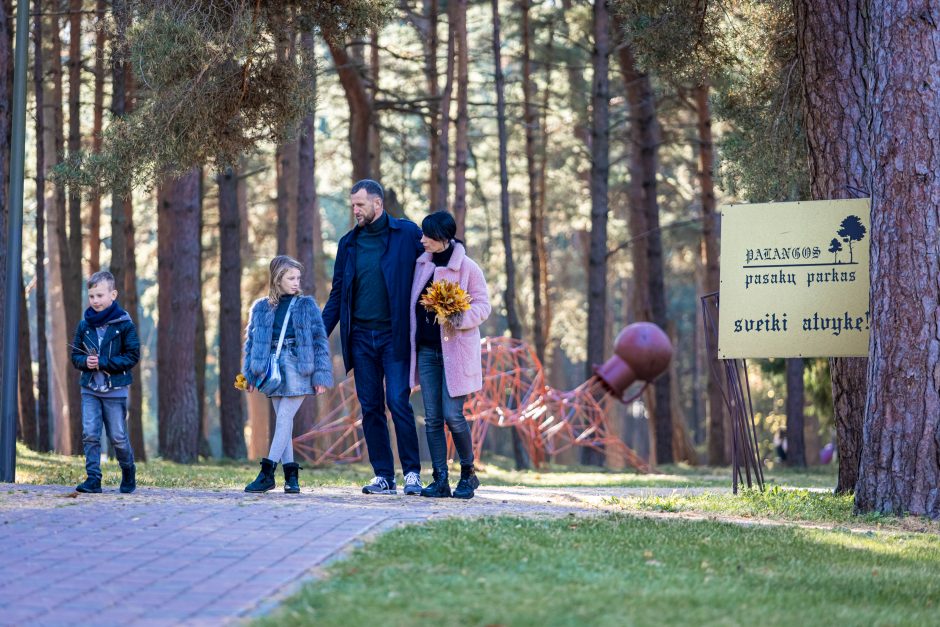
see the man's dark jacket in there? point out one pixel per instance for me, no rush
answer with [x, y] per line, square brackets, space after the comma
[398, 267]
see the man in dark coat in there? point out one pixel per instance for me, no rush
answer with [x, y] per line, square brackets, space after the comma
[370, 299]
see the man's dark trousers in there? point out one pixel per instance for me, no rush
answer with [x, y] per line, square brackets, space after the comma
[373, 360]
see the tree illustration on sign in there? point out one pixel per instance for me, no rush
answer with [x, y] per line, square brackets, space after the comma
[851, 230]
[835, 247]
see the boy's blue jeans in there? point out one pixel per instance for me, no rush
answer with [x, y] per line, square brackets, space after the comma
[112, 413]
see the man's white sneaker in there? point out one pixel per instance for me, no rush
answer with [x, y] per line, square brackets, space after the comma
[413, 484]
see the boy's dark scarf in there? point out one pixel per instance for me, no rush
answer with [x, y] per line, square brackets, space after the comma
[96, 319]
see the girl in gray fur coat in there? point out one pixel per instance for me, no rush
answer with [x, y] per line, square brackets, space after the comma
[305, 364]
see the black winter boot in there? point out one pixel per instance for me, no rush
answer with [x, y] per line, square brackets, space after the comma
[265, 479]
[128, 479]
[467, 484]
[291, 482]
[439, 488]
[89, 486]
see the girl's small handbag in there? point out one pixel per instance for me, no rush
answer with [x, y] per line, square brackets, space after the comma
[271, 381]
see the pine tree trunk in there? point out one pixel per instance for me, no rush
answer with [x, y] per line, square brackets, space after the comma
[434, 92]
[900, 464]
[200, 359]
[94, 216]
[509, 296]
[600, 172]
[375, 134]
[135, 402]
[512, 318]
[578, 87]
[257, 406]
[796, 446]
[231, 401]
[61, 371]
[309, 223]
[119, 243]
[285, 156]
[201, 348]
[69, 225]
[542, 229]
[835, 101]
[715, 428]
[443, 138]
[283, 210]
[537, 252]
[135, 413]
[42, 412]
[650, 294]
[461, 146]
[178, 302]
[308, 219]
[29, 427]
[360, 107]
[75, 141]
[67, 283]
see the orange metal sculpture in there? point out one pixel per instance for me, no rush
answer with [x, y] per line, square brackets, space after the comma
[516, 395]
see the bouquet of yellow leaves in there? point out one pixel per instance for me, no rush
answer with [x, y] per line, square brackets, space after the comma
[447, 301]
[241, 383]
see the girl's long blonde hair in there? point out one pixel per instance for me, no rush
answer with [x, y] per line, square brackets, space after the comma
[280, 265]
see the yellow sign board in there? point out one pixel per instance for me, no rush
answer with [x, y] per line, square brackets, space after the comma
[794, 279]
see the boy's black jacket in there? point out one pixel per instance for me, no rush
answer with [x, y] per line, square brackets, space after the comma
[118, 352]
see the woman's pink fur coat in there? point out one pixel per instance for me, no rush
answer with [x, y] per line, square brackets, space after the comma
[462, 367]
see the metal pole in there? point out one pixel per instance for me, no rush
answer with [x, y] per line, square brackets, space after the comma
[11, 315]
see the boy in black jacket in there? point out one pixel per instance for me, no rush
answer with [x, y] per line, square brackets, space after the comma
[105, 349]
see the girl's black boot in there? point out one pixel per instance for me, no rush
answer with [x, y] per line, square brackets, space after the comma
[291, 478]
[265, 479]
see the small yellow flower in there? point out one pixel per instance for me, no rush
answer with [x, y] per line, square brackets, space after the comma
[241, 383]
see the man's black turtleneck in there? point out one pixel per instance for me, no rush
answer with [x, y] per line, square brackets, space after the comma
[428, 331]
[370, 294]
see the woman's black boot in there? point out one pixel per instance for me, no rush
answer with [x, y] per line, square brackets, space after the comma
[467, 484]
[439, 488]
[291, 482]
[265, 479]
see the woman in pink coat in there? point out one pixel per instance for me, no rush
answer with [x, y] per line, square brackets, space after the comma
[444, 361]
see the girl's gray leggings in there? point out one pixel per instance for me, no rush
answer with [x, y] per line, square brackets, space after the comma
[282, 449]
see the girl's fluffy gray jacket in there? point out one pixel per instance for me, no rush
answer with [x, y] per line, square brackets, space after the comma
[313, 349]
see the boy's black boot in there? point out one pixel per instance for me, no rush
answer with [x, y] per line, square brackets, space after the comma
[265, 479]
[291, 478]
[89, 486]
[128, 479]
[439, 488]
[467, 484]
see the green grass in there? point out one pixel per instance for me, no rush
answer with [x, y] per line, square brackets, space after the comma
[619, 570]
[500, 471]
[775, 503]
[51, 468]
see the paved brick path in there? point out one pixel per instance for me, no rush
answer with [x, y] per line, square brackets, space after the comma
[166, 557]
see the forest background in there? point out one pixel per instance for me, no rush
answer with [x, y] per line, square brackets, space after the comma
[583, 147]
